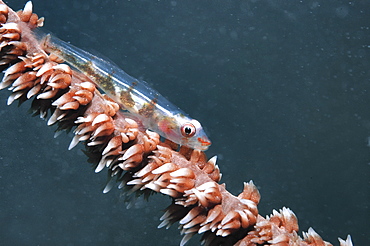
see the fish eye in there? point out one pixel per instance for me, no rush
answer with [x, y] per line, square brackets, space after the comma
[188, 130]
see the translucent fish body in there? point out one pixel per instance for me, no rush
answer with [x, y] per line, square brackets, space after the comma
[136, 97]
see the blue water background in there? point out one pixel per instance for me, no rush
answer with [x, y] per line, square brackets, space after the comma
[282, 87]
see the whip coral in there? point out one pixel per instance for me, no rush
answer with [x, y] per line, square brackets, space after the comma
[136, 157]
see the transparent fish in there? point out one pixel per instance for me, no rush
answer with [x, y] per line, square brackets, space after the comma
[136, 97]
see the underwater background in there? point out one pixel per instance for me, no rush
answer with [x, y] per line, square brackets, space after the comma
[282, 88]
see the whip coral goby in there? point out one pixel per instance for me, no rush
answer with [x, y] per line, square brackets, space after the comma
[143, 103]
[134, 156]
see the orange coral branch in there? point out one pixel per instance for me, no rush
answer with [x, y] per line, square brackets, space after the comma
[136, 157]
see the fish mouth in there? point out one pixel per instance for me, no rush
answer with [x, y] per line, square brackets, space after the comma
[205, 143]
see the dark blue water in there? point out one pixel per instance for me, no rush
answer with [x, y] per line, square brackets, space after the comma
[282, 88]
